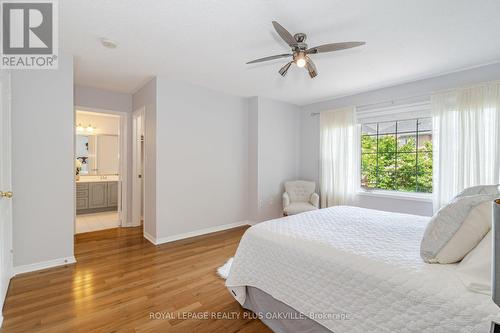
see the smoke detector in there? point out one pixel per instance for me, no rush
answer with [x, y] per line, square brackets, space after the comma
[108, 43]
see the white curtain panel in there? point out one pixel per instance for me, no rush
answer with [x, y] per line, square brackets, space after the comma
[466, 124]
[340, 157]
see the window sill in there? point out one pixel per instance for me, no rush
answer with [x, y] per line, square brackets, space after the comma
[423, 197]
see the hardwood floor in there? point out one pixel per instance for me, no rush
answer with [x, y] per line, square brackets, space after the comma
[120, 280]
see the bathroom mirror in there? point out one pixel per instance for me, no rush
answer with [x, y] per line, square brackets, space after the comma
[99, 154]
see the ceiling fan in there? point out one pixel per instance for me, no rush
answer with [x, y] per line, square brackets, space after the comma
[300, 52]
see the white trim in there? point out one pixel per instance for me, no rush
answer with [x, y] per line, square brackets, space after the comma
[43, 265]
[138, 193]
[423, 197]
[4, 291]
[158, 241]
[123, 159]
[394, 112]
[123, 136]
[150, 238]
[6, 242]
[3, 297]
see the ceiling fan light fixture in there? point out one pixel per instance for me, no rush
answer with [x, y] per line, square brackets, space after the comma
[300, 60]
[300, 51]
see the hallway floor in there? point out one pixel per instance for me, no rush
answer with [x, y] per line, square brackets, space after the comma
[97, 221]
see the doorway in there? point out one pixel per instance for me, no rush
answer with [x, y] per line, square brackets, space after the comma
[100, 170]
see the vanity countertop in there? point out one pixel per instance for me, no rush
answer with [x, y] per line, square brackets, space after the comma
[93, 179]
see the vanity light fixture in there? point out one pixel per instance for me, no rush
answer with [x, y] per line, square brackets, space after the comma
[88, 129]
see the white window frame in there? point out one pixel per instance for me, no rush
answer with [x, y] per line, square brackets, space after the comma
[401, 112]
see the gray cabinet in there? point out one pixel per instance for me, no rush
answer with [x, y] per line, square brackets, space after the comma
[94, 197]
[113, 194]
[82, 187]
[82, 203]
[98, 195]
[82, 196]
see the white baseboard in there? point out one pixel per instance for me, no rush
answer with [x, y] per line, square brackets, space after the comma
[199, 232]
[43, 265]
[129, 224]
[149, 238]
[3, 292]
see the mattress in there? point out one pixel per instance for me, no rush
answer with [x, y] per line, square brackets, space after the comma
[355, 270]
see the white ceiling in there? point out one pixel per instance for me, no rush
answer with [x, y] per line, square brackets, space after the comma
[208, 43]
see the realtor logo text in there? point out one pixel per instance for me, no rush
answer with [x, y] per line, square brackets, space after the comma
[29, 34]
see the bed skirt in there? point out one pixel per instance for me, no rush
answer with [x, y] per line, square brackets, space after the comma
[278, 316]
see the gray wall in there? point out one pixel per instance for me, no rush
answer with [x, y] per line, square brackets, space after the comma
[202, 151]
[43, 167]
[278, 153]
[309, 166]
[219, 159]
[146, 98]
[253, 159]
[102, 99]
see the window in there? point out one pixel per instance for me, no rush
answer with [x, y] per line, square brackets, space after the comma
[397, 155]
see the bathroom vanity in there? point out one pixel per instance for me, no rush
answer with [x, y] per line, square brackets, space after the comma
[96, 194]
[97, 183]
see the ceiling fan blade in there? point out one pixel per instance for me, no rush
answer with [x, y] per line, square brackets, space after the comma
[333, 47]
[311, 68]
[283, 70]
[269, 58]
[284, 34]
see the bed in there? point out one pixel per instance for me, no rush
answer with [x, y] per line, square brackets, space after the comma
[347, 270]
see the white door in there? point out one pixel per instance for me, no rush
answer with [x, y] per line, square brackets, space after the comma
[5, 188]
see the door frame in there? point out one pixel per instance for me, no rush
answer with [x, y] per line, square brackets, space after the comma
[124, 136]
[6, 227]
[138, 193]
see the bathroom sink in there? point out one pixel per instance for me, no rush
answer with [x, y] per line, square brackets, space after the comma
[108, 178]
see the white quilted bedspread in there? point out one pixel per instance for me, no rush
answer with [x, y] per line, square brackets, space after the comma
[357, 270]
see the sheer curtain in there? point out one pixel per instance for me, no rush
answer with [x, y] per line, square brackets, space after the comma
[340, 152]
[466, 139]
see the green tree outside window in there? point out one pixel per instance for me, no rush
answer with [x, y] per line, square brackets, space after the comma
[399, 160]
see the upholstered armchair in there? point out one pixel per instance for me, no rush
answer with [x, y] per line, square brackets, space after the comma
[299, 197]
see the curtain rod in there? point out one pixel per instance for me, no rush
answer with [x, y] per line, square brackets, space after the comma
[390, 102]
[468, 86]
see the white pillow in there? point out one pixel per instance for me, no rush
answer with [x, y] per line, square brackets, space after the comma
[475, 268]
[456, 229]
[480, 189]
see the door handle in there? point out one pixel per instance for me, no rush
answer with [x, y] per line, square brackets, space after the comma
[7, 194]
